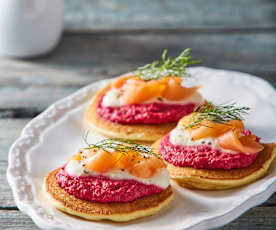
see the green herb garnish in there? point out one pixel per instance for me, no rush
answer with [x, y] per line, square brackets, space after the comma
[168, 66]
[218, 114]
[123, 146]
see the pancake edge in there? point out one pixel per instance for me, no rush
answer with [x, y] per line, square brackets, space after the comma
[186, 176]
[140, 132]
[117, 217]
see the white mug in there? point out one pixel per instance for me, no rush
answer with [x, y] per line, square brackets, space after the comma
[30, 27]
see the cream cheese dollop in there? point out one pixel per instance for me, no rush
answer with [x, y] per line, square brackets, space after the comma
[160, 178]
[180, 136]
[112, 99]
[74, 168]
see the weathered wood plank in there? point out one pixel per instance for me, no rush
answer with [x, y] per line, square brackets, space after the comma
[84, 58]
[10, 131]
[20, 98]
[259, 218]
[132, 14]
[12, 219]
[6, 197]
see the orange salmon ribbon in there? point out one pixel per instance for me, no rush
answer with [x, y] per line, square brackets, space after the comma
[102, 161]
[229, 134]
[135, 90]
[234, 141]
[207, 128]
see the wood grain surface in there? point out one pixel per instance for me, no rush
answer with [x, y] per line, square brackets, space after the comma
[84, 58]
[104, 38]
[144, 14]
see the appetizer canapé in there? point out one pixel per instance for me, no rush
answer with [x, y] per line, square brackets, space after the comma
[147, 104]
[211, 149]
[113, 180]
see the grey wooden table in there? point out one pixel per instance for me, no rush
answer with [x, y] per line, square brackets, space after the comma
[107, 37]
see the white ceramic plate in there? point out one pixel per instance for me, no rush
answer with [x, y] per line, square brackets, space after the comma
[49, 139]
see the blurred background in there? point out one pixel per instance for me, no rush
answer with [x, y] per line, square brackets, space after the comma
[104, 38]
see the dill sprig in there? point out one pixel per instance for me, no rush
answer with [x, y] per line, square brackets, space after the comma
[168, 66]
[123, 146]
[217, 114]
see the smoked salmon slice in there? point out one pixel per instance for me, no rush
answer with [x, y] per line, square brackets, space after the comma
[234, 140]
[208, 128]
[121, 81]
[212, 129]
[147, 167]
[175, 91]
[137, 165]
[136, 90]
[75, 157]
[101, 162]
[127, 160]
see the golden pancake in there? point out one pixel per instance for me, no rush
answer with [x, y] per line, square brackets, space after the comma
[222, 179]
[120, 212]
[138, 132]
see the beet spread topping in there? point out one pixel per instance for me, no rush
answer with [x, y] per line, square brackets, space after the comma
[153, 113]
[104, 190]
[203, 156]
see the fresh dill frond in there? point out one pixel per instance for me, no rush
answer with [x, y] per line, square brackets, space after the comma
[168, 66]
[123, 146]
[218, 114]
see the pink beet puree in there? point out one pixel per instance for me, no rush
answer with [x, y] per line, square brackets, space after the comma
[153, 113]
[203, 156]
[104, 190]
